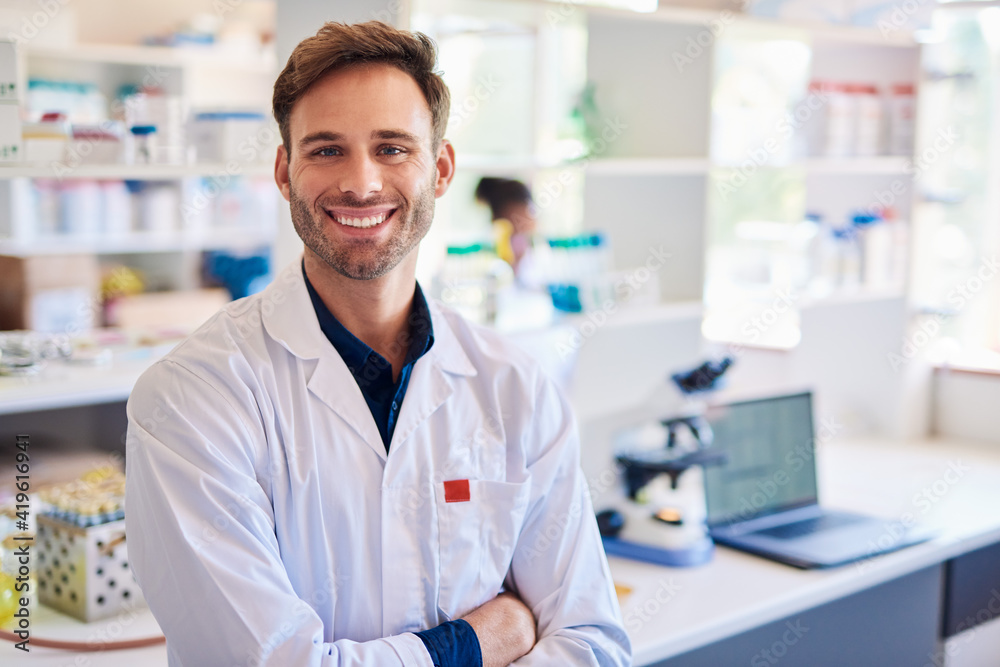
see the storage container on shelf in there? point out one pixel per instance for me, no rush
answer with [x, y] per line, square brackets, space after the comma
[902, 111]
[841, 118]
[81, 102]
[813, 128]
[151, 106]
[158, 206]
[868, 122]
[470, 279]
[95, 144]
[144, 144]
[80, 205]
[47, 140]
[579, 279]
[221, 136]
[116, 208]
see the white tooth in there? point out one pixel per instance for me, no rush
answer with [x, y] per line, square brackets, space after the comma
[368, 222]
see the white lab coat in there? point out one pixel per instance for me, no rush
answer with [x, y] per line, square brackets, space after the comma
[267, 526]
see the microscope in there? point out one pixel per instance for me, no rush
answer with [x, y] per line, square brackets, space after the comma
[660, 515]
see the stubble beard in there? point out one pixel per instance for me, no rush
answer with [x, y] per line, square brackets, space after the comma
[363, 259]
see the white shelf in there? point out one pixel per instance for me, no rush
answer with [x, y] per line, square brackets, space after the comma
[819, 31]
[653, 166]
[62, 385]
[507, 165]
[881, 164]
[639, 165]
[866, 166]
[142, 242]
[158, 56]
[132, 172]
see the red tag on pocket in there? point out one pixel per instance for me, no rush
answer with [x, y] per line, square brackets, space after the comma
[456, 491]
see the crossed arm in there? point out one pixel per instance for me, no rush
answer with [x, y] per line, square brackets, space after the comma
[505, 628]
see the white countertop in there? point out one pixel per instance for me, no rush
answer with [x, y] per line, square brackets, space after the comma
[62, 384]
[671, 611]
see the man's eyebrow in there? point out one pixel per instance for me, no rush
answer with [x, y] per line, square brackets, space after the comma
[320, 136]
[397, 135]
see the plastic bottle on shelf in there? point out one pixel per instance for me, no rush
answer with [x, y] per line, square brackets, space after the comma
[159, 204]
[868, 121]
[899, 242]
[875, 241]
[143, 144]
[840, 121]
[595, 272]
[803, 249]
[47, 206]
[81, 207]
[116, 208]
[814, 128]
[902, 111]
[849, 257]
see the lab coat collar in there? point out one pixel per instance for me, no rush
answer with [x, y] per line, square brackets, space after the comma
[289, 318]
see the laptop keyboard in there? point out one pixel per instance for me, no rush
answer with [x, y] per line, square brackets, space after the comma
[808, 526]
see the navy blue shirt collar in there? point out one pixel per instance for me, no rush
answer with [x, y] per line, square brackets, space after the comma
[371, 370]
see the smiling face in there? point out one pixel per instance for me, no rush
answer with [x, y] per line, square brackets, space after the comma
[360, 174]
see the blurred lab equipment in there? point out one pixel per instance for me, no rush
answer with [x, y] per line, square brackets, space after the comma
[660, 516]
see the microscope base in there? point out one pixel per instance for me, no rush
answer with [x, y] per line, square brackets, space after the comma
[697, 554]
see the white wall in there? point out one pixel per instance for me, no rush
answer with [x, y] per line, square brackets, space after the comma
[850, 355]
[967, 405]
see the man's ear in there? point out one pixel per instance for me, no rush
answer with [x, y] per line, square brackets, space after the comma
[445, 167]
[281, 172]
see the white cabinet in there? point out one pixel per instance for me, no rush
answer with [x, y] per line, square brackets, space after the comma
[694, 126]
[174, 205]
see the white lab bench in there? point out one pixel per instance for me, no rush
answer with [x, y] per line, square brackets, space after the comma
[744, 602]
[672, 612]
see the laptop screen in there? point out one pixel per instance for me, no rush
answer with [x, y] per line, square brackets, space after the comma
[771, 466]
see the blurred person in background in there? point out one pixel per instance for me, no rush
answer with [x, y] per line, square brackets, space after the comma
[514, 223]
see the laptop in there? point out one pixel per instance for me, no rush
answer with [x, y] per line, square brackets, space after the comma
[765, 501]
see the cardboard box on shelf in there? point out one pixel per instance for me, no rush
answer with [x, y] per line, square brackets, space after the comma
[49, 293]
[10, 132]
[180, 311]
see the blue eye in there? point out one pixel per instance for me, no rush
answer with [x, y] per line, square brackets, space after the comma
[328, 151]
[395, 150]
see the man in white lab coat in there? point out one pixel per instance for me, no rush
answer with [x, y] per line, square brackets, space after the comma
[286, 506]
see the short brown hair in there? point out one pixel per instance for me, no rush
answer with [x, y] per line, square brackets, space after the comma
[338, 46]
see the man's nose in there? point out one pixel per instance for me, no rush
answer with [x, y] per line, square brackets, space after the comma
[362, 176]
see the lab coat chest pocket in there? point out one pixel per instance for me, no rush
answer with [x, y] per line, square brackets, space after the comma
[476, 541]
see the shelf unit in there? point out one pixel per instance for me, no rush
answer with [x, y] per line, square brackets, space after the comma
[263, 62]
[656, 184]
[202, 78]
[133, 172]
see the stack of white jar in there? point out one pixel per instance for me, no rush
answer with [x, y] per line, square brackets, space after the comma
[854, 119]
